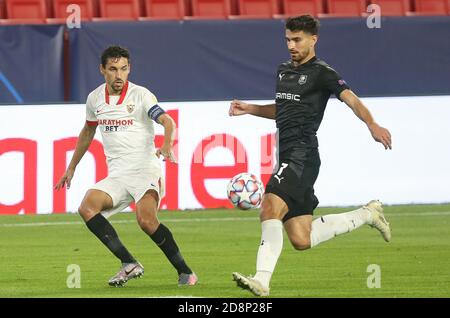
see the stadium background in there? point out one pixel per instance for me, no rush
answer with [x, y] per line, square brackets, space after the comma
[191, 61]
[196, 66]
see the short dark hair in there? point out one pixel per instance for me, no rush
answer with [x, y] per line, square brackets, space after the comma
[305, 23]
[115, 52]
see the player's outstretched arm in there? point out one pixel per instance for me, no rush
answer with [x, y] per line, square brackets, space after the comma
[169, 137]
[379, 133]
[238, 108]
[83, 143]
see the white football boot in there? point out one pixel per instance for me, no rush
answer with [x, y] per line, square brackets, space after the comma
[251, 284]
[378, 219]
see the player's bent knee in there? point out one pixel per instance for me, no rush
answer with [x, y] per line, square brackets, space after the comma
[271, 210]
[301, 244]
[148, 224]
[86, 212]
[267, 214]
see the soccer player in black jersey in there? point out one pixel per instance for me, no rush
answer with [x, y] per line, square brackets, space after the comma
[304, 85]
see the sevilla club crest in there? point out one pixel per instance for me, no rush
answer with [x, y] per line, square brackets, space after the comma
[130, 108]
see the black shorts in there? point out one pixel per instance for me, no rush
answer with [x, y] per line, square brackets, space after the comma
[294, 181]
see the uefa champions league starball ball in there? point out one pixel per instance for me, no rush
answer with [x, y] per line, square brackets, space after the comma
[245, 191]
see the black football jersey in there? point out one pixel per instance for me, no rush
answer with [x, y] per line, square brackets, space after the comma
[302, 94]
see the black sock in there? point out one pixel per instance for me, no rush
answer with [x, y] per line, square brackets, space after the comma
[164, 239]
[106, 233]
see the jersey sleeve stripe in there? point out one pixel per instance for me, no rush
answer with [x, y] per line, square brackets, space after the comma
[91, 123]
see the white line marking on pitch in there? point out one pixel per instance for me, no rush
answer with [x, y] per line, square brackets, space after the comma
[177, 296]
[129, 221]
[206, 219]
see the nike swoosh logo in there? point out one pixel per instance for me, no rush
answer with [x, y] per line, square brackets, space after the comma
[162, 242]
[128, 272]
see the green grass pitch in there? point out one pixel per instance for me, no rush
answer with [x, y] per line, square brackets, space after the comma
[36, 251]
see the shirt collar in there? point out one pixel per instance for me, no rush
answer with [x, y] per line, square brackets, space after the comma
[309, 62]
[122, 94]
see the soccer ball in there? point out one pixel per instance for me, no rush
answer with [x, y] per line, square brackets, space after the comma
[245, 191]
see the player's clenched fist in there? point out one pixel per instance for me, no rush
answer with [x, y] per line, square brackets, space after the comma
[238, 108]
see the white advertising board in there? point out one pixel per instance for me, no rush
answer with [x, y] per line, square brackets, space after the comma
[37, 142]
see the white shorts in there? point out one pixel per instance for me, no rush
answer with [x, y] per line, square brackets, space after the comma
[129, 178]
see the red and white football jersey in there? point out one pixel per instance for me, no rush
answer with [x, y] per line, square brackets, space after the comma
[123, 120]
